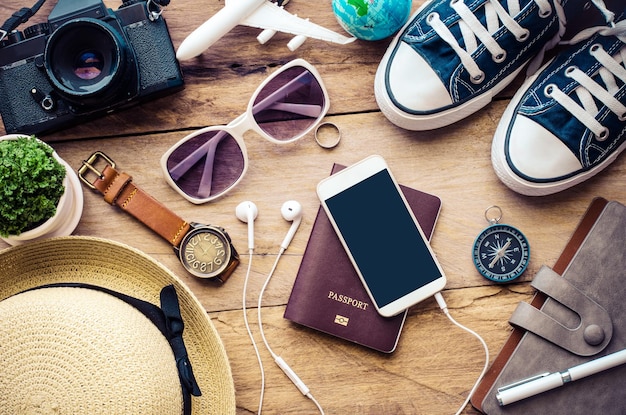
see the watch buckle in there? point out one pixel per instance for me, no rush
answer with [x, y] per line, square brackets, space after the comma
[89, 166]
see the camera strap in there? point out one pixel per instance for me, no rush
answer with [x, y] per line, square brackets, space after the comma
[19, 17]
[25, 13]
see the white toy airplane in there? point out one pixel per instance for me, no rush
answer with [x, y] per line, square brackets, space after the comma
[261, 14]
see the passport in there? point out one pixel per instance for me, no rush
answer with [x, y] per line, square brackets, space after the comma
[328, 294]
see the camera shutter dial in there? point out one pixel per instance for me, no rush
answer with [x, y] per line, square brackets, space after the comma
[36, 30]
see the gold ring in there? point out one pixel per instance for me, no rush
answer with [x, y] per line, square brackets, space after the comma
[327, 135]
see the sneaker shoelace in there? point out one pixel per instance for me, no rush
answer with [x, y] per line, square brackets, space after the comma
[589, 90]
[473, 31]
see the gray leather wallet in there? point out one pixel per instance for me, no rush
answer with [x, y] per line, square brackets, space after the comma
[581, 316]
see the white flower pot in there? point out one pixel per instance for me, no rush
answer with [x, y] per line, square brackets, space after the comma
[68, 213]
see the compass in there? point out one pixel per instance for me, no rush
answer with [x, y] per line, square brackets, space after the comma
[501, 252]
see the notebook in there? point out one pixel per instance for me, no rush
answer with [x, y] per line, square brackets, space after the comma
[328, 295]
[593, 261]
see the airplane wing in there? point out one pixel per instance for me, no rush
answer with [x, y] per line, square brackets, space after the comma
[273, 17]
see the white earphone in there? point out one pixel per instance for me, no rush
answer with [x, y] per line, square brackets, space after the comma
[247, 213]
[292, 212]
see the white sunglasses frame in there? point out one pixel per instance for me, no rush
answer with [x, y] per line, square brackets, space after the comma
[242, 124]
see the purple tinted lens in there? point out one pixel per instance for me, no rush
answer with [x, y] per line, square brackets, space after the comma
[289, 104]
[207, 164]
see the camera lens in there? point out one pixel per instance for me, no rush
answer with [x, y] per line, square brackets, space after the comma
[86, 61]
[88, 65]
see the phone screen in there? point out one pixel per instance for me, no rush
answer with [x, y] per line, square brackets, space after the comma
[383, 238]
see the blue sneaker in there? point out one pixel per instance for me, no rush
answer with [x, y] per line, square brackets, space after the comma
[453, 56]
[568, 121]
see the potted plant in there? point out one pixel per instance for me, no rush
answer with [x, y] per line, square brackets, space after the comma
[40, 195]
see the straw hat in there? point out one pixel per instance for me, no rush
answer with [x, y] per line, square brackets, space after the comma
[68, 350]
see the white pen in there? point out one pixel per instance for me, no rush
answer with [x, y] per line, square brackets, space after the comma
[548, 381]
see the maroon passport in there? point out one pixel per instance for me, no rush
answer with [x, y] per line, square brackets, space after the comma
[328, 295]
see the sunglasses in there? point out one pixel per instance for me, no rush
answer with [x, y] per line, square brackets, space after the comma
[208, 163]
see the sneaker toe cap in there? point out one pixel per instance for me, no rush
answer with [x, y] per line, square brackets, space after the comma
[413, 84]
[538, 154]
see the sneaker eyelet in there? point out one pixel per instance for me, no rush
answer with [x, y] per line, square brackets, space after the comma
[453, 2]
[545, 13]
[622, 117]
[603, 135]
[547, 91]
[595, 48]
[523, 36]
[570, 70]
[499, 58]
[432, 16]
[478, 78]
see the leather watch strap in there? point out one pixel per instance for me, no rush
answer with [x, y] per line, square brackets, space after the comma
[228, 271]
[118, 189]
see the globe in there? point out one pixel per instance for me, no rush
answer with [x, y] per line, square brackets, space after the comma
[372, 19]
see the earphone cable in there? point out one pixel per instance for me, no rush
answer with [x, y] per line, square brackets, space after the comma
[265, 284]
[294, 377]
[279, 360]
[245, 319]
[444, 307]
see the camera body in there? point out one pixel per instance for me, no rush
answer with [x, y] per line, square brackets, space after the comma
[86, 61]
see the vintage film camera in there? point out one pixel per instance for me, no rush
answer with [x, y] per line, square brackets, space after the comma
[87, 60]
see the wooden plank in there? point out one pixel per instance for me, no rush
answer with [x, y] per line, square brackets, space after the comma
[435, 364]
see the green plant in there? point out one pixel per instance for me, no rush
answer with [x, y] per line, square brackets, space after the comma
[31, 184]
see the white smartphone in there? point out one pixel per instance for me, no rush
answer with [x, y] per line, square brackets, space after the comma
[381, 236]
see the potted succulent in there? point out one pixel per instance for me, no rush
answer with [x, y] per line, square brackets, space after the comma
[40, 195]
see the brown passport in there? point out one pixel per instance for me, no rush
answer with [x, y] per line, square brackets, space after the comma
[328, 295]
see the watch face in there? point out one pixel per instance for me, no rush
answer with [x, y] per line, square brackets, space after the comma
[501, 253]
[205, 252]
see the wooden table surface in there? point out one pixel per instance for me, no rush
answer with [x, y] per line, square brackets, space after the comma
[435, 364]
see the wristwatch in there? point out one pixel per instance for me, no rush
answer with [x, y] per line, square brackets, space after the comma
[206, 251]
